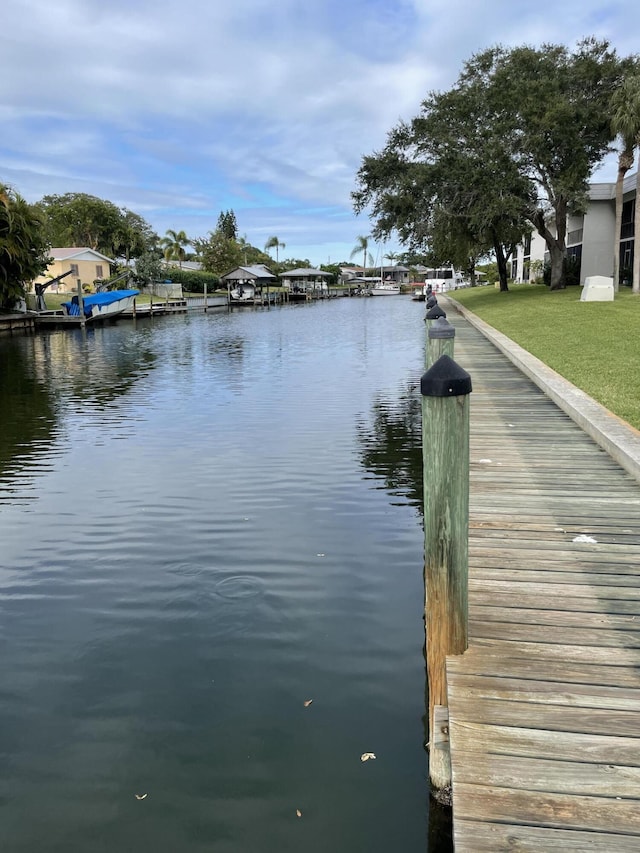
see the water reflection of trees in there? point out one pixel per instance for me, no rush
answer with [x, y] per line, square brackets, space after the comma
[28, 408]
[392, 443]
[97, 366]
[40, 375]
[43, 375]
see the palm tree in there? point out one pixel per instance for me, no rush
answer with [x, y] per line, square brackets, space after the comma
[174, 244]
[24, 248]
[274, 243]
[362, 246]
[393, 257]
[244, 247]
[625, 123]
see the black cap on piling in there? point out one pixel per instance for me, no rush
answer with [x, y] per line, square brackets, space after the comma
[441, 328]
[431, 300]
[435, 312]
[445, 378]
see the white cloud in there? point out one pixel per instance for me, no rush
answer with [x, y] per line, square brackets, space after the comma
[175, 109]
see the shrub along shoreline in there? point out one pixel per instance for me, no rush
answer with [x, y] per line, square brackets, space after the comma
[594, 345]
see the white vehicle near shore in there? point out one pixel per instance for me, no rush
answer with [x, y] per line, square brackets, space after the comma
[386, 288]
[443, 279]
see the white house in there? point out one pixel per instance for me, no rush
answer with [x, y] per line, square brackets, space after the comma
[589, 235]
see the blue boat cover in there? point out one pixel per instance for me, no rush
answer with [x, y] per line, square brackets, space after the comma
[106, 298]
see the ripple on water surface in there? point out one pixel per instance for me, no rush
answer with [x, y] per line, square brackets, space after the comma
[224, 525]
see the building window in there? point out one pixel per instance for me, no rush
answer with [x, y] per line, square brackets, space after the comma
[99, 271]
[627, 241]
[74, 270]
[628, 216]
[626, 262]
[573, 265]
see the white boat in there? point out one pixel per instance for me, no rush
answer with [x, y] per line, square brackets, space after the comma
[243, 294]
[95, 307]
[386, 288]
[99, 306]
[444, 279]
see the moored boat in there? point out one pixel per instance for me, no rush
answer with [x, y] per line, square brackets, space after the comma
[386, 288]
[445, 279]
[243, 294]
[99, 306]
[95, 307]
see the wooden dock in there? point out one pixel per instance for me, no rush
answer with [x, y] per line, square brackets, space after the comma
[544, 707]
[10, 323]
[159, 306]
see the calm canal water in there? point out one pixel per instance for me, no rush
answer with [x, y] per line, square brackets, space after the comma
[205, 521]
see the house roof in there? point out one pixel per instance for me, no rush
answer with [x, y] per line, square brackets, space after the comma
[304, 272]
[185, 265]
[603, 191]
[257, 272]
[77, 253]
[600, 192]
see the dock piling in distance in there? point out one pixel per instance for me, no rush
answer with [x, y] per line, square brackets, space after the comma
[80, 302]
[445, 389]
[440, 340]
[433, 313]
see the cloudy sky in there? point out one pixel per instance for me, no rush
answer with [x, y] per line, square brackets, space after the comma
[180, 110]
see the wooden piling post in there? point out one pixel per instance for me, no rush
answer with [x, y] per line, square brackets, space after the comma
[445, 391]
[433, 313]
[81, 303]
[205, 297]
[440, 341]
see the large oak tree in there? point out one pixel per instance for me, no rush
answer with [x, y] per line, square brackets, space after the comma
[79, 219]
[509, 148]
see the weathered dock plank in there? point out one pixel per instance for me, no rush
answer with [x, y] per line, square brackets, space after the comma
[544, 707]
[554, 810]
[578, 695]
[489, 740]
[543, 774]
[506, 838]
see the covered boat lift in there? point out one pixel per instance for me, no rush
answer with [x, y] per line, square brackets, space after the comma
[245, 284]
[306, 283]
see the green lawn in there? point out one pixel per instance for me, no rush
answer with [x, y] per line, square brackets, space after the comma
[595, 345]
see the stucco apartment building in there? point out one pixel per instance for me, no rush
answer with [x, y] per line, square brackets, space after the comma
[85, 265]
[589, 235]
